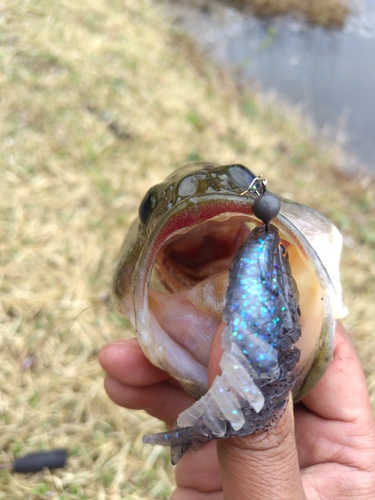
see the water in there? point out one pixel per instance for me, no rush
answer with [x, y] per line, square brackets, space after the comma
[330, 74]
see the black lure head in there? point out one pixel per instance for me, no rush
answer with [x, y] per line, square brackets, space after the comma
[266, 206]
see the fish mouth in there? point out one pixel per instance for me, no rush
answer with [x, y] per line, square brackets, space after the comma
[182, 295]
[205, 250]
[191, 277]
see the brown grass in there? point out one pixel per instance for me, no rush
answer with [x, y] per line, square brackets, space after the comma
[99, 100]
[327, 13]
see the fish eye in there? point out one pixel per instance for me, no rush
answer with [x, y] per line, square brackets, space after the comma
[147, 205]
[282, 248]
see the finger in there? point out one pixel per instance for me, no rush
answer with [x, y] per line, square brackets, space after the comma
[334, 423]
[199, 470]
[124, 360]
[341, 394]
[191, 494]
[161, 400]
[263, 465]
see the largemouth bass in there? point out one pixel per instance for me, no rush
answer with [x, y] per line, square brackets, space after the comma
[172, 277]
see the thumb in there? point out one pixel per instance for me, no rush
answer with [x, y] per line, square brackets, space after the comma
[259, 466]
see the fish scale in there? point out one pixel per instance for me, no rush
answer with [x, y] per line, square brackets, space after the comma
[262, 317]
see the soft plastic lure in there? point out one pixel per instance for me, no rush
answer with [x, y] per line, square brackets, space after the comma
[262, 316]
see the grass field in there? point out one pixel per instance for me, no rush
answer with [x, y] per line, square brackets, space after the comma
[100, 100]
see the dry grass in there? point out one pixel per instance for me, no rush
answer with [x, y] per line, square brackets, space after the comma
[99, 100]
[327, 13]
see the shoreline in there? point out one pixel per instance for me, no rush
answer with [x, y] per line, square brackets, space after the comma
[245, 48]
[330, 14]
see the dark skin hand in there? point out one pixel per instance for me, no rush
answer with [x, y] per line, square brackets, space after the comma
[324, 450]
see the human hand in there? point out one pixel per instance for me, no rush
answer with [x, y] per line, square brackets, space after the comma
[326, 450]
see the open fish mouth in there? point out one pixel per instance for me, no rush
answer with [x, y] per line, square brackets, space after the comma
[172, 285]
[193, 268]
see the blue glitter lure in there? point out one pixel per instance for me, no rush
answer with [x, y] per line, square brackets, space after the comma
[262, 316]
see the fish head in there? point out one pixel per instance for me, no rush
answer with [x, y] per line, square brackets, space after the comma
[172, 274]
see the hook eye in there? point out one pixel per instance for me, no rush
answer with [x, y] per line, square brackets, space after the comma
[258, 186]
